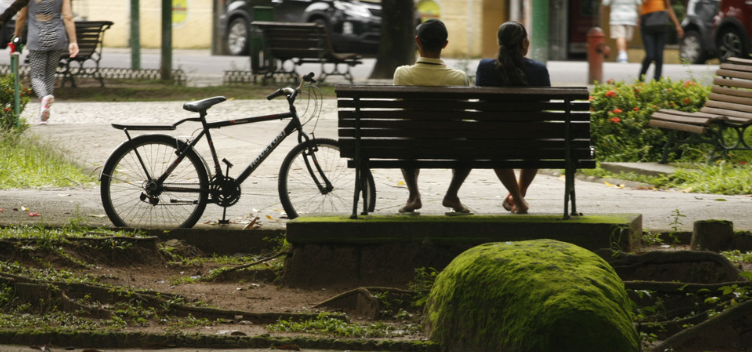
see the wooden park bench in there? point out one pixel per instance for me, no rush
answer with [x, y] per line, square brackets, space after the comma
[89, 35]
[465, 127]
[302, 43]
[721, 122]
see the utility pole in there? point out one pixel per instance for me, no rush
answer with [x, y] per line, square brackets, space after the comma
[539, 37]
[166, 64]
[135, 35]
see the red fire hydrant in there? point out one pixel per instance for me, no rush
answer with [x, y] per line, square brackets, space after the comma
[597, 50]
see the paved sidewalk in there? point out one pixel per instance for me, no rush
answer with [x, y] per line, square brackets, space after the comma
[82, 130]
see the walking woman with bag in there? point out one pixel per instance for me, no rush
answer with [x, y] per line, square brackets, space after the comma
[654, 29]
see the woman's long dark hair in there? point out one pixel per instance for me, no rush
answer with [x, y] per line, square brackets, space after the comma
[509, 62]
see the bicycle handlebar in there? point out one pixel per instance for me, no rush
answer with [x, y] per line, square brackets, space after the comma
[289, 91]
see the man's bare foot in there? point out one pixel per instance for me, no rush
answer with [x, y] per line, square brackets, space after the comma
[455, 204]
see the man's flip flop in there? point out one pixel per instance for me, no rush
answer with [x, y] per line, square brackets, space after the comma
[403, 211]
[464, 211]
[508, 203]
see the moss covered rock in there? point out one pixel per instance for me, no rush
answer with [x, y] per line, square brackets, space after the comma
[540, 295]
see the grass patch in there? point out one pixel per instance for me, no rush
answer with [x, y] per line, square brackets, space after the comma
[329, 325]
[724, 177]
[135, 90]
[28, 162]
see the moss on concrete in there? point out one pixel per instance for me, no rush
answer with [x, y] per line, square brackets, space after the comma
[589, 219]
[539, 295]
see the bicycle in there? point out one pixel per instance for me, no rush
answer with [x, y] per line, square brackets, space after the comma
[157, 180]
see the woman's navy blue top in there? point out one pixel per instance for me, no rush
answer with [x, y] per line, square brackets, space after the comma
[536, 72]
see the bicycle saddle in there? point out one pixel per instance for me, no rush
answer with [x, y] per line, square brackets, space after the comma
[203, 104]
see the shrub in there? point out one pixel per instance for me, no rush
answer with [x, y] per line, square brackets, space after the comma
[621, 112]
[7, 112]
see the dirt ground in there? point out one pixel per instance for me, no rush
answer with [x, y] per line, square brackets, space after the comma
[169, 279]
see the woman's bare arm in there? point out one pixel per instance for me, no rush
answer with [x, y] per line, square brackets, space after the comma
[20, 21]
[70, 28]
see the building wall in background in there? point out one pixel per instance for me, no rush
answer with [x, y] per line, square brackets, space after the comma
[191, 29]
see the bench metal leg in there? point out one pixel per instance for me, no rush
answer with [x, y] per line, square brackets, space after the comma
[336, 72]
[568, 190]
[356, 194]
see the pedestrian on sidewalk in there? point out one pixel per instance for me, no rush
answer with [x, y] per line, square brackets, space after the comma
[622, 22]
[51, 32]
[654, 31]
[430, 70]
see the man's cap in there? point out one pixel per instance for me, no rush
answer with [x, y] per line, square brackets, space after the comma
[433, 32]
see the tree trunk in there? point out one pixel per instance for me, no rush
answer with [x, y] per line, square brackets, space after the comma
[397, 46]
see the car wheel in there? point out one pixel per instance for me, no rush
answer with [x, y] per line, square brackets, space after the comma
[691, 50]
[237, 37]
[732, 44]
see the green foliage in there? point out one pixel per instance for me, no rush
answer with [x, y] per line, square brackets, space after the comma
[29, 162]
[737, 256]
[330, 325]
[422, 284]
[621, 112]
[7, 99]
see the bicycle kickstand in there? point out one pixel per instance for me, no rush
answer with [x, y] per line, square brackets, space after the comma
[224, 220]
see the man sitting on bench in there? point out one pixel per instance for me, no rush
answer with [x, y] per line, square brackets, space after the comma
[430, 70]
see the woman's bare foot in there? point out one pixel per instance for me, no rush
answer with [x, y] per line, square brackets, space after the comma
[412, 205]
[520, 206]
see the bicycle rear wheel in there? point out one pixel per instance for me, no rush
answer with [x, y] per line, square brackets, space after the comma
[300, 193]
[132, 199]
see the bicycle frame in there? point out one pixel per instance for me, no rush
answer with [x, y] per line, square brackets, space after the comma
[292, 126]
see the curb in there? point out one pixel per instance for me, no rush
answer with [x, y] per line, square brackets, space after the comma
[106, 339]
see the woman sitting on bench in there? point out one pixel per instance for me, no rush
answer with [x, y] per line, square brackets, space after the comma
[512, 68]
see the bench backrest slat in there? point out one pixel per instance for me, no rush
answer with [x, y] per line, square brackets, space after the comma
[735, 67]
[729, 102]
[742, 115]
[732, 83]
[489, 123]
[734, 74]
[89, 36]
[506, 116]
[731, 91]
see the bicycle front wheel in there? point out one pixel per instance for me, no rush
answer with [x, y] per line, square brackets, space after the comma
[302, 185]
[133, 199]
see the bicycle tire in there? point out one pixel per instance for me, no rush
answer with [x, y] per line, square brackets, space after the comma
[124, 182]
[299, 194]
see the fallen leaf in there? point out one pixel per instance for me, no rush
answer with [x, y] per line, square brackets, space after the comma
[15, 209]
[97, 215]
[1, 210]
[250, 225]
[688, 190]
[254, 210]
[719, 200]
[24, 208]
[269, 217]
[64, 195]
[33, 214]
[400, 183]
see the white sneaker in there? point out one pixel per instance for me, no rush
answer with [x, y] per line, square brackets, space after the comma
[44, 113]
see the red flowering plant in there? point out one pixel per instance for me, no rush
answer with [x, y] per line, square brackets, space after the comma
[620, 113]
[7, 110]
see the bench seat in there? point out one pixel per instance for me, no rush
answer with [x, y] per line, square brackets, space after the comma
[89, 35]
[727, 110]
[465, 127]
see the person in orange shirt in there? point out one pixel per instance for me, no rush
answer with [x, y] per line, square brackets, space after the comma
[654, 30]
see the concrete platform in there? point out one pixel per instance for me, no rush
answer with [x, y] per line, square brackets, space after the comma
[386, 249]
